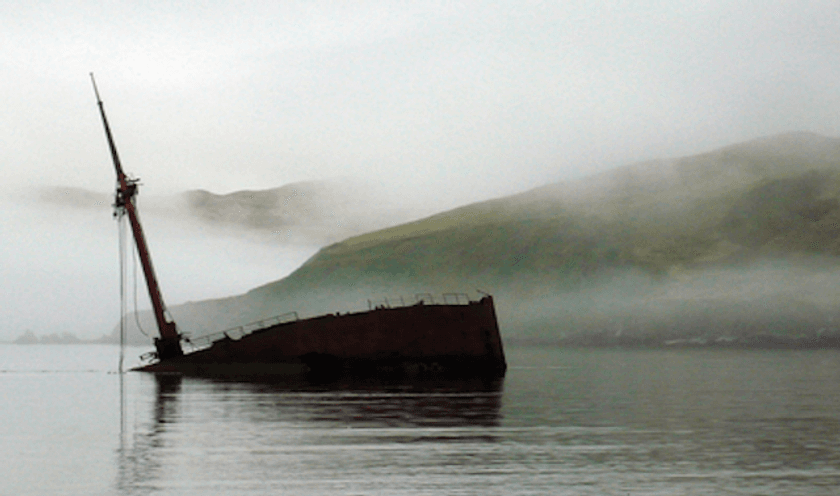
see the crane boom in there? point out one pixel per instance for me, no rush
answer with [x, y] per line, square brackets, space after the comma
[169, 343]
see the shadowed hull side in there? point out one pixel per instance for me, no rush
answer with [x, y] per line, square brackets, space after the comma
[418, 340]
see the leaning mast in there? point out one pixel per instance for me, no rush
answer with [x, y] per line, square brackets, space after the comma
[169, 343]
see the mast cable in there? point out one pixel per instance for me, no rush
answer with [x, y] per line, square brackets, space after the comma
[121, 236]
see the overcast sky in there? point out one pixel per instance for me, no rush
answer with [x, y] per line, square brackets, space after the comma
[450, 102]
[453, 99]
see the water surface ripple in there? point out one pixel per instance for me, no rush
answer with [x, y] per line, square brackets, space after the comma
[613, 422]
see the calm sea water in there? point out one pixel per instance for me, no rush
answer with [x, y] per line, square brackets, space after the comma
[613, 422]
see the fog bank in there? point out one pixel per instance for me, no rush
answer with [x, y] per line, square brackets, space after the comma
[59, 267]
[793, 297]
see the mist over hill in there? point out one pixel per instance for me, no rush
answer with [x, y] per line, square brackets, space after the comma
[314, 212]
[311, 212]
[737, 246]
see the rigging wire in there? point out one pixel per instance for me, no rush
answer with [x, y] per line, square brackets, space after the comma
[121, 235]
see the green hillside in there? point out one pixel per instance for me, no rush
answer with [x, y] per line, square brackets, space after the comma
[734, 205]
[723, 246]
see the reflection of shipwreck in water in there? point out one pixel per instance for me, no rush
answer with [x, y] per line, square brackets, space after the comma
[435, 402]
[279, 421]
[460, 338]
[139, 461]
[371, 402]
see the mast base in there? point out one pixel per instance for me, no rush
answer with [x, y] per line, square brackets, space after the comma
[168, 348]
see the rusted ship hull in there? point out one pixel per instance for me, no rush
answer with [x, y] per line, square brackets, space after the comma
[416, 340]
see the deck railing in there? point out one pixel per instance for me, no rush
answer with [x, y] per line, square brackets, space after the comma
[236, 333]
[426, 298]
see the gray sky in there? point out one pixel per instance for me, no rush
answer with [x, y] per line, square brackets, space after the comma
[446, 102]
[449, 99]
